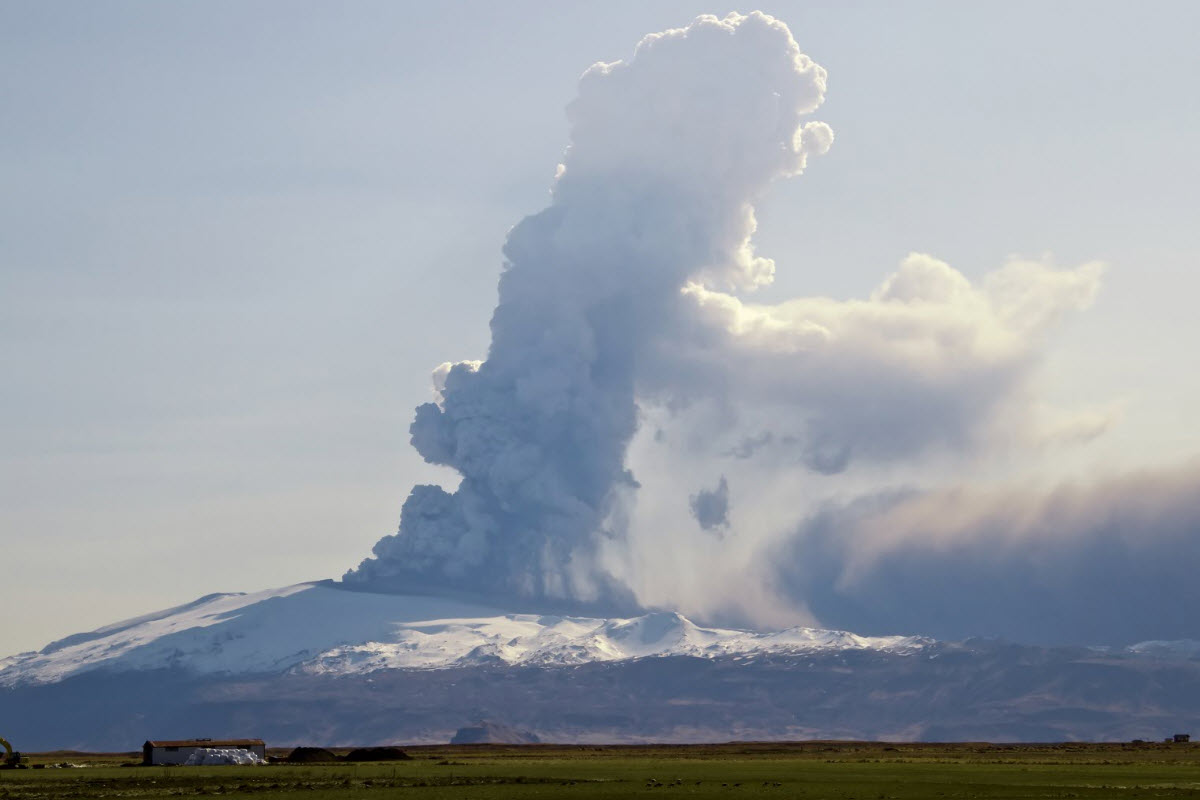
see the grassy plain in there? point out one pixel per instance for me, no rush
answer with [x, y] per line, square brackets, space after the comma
[841, 770]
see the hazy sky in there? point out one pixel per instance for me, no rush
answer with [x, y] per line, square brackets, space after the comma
[235, 238]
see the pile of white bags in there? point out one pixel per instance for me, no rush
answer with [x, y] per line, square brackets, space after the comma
[217, 756]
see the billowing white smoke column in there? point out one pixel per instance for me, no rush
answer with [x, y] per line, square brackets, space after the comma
[668, 151]
[623, 300]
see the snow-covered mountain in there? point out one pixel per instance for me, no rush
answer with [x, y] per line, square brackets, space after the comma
[316, 663]
[319, 628]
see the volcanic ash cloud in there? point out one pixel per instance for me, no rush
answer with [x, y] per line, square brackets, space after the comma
[624, 300]
[667, 152]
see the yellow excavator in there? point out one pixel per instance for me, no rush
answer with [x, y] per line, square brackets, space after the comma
[12, 759]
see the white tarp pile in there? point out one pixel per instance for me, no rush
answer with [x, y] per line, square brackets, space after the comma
[216, 756]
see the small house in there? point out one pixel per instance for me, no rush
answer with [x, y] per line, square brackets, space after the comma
[177, 752]
[1182, 738]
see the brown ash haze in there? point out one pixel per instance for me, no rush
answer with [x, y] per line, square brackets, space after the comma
[643, 435]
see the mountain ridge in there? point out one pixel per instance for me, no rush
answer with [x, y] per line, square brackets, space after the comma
[318, 628]
[315, 664]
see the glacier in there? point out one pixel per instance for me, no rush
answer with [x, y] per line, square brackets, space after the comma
[320, 628]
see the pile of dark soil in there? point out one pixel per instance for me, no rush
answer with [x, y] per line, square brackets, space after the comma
[376, 754]
[310, 755]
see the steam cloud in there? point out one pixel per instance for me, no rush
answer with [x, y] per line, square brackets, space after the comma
[624, 302]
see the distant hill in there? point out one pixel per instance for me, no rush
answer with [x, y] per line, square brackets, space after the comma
[492, 733]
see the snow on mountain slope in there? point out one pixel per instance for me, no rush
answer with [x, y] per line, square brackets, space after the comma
[554, 640]
[320, 628]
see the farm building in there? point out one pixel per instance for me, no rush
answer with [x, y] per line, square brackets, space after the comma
[177, 752]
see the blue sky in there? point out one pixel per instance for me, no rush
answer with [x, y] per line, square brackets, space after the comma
[236, 237]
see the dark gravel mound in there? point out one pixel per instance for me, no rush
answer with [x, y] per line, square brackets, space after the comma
[310, 755]
[377, 754]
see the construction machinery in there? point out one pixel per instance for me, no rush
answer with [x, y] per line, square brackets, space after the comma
[12, 759]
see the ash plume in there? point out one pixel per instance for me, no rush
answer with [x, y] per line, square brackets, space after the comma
[1109, 562]
[626, 300]
[667, 152]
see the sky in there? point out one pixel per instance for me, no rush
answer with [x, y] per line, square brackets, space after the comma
[236, 238]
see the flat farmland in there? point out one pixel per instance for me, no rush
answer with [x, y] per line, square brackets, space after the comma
[843, 770]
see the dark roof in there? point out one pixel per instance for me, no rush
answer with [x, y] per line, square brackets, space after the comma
[205, 743]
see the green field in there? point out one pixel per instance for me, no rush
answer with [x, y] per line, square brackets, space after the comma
[809, 770]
